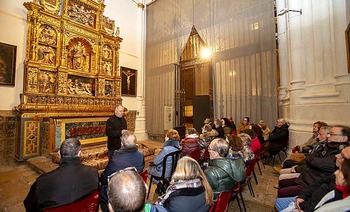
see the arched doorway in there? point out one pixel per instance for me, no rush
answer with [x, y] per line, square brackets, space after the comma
[194, 84]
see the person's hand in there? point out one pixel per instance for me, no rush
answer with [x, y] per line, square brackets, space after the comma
[123, 131]
[297, 203]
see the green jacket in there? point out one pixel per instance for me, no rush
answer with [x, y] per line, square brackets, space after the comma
[224, 173]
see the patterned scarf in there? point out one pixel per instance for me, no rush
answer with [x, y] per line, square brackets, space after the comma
[195, 183]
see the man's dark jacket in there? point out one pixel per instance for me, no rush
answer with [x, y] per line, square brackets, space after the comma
[66, 184]
[123, 158]
[314, 193]
[114, 127]
[278, 139]
[319, 165]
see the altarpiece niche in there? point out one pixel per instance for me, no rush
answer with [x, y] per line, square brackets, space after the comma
[71, 73]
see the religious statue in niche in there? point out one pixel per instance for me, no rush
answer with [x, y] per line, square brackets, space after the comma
[80, 86]
[107, 52]
[109, 88]
[47, 35]
[107, 68]
[78, 56]
[80, 14]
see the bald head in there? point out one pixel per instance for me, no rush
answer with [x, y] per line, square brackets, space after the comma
[119, 111]
[126, 192]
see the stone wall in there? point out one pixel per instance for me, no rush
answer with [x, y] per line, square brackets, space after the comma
[8, 135]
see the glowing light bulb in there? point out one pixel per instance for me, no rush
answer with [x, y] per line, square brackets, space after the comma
[205, 53]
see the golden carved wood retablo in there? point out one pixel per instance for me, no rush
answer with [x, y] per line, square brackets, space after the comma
[72, 58]
[71, 69]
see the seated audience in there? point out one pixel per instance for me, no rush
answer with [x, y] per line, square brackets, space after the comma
[279, 137]
[190, 142]
[126, 191]
[217, 126]
[258, 134]
[208, 134]
[266, 130]
[127, 156]
[310, 196]
[255, 145]
[223, 173]
[313, 141]
[240, 147]
[245, 124]
[298, 160]
[226, 125]
[207, 121]
[319, 165]
[233, 126]
[189, 189]
[334, 200]
[64, 185]
[170, 145]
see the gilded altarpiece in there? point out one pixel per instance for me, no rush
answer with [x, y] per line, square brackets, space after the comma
[71, 74]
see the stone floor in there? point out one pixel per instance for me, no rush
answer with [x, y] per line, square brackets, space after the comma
[16, 179]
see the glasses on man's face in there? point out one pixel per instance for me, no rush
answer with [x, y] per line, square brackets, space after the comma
[120, 171]
[211, 150]
[335, 134]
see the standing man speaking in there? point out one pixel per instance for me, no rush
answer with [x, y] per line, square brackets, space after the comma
[115, 126]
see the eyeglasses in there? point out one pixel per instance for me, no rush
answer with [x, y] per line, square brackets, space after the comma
[211, 150]
[335, 134]
[120, 171]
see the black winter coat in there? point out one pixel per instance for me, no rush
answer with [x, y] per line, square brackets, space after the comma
[66, 184]
[319, 165]
[314, 193]
[114, 127]
[187, 199]
[278, 139]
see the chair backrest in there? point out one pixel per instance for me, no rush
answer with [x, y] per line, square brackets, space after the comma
[86, 204]
[206, 154]
[188, 145]
[144, 175]
[222, 202]
[174, 158]
[249, 168]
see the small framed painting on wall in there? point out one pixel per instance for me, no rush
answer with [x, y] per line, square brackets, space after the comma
[129, 80]
[7, 64]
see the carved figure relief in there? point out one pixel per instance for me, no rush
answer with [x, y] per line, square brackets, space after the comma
[107, 68]
[47, 82]
[108, 25]
[46, 54]
[80, 86]
[47, 35]
[80, 14]
[109, 88]
[32, 80]
[107, 52]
